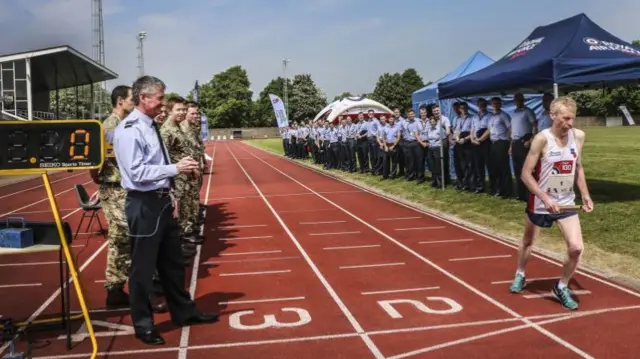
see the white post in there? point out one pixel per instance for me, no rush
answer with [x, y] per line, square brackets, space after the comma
[29, 97]
[555, 90]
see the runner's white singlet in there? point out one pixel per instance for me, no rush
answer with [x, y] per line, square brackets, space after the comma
[555, 173]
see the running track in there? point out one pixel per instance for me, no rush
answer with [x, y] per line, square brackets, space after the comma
[301, 265]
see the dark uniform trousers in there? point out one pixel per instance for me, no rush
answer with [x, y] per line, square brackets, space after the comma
[500, 171]
[390, 162]
[292, 146]
[419, 158]
[344, 155]
[464, 171]
[363, 154]
[352, 146]
[481, 161]
[447, 160]
[409, 172]
[155, 243]
[285, 146]
[326, 157]
[400, 158]
[374, 152]
[334, 155]
[519, 154]
[433, 159]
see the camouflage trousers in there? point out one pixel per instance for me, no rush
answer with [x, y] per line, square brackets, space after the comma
[118, 247]
[183, 192]
[195, 188]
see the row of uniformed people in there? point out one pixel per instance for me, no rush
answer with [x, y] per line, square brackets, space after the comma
[471, 146]
[494, 142]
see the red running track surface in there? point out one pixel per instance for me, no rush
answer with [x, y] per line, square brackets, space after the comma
[302, 265]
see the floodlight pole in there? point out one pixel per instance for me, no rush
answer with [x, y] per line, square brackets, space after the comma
[141, 36]
[286, 92]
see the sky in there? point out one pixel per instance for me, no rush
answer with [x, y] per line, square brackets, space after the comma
[344, 44]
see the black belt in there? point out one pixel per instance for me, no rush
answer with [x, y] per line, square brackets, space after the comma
[111, 184]
[160, 193]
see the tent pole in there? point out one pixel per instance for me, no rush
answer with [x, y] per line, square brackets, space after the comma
[555, 90]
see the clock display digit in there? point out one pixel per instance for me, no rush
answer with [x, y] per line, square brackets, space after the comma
[79, 145]
[49, 145]
[17, 147]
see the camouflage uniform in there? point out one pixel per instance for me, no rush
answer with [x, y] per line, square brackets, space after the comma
[112, 197]
[178, 147]
[196, 151]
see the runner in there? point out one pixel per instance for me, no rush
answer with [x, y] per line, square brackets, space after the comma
[551, 168]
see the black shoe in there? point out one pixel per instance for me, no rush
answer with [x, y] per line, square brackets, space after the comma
[200, 318]
[150, 337]
[117, 298]
[192, 239]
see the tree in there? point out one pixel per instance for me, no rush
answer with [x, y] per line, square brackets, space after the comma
[226, 99]
[342, 95]
[394, 90]
[76, 102]
[306, 99]
[263, 114]
[390, 92]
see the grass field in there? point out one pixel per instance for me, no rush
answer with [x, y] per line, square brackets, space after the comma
[611, 232]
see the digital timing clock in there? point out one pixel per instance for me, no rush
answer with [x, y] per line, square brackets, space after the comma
[37, 146]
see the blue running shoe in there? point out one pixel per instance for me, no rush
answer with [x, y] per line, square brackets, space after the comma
[518, 284]
[564, 296]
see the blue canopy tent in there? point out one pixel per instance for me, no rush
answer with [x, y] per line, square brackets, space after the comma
[569, 55]
[429, 94]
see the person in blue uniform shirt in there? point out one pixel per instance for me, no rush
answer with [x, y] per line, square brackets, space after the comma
[151, 211]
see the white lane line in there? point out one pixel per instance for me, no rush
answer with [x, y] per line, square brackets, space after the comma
[347, 313]
[550, 295]
[46, 211]
[41, 201]
[255, 273]
[441, 270]
[100, 281]
[184, 335]
[210, 263]
[238, 238]
[28, 264]
[333, 233]
[351, 247]
[20, 285]
[249, 253]
[266, 300]
[306, 210]
[478, 258]
[529, 280]
[582, 271]
[397, 218]
[327, 222]
[419, 228]
[38, 186]
[556, 318]
[400, 290]
[243, 226]
[373, 265]
[446, 241]
[230, 198]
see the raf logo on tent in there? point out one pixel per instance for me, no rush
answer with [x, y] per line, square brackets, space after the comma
[524, 47]
[598, 45]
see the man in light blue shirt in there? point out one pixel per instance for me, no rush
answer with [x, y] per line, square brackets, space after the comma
[464, 149]
[482, 145]
[523, 128]
[500, 180]
[147, 176]
[362, 140]
[544, 121]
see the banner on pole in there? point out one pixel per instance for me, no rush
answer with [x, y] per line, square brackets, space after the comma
[278, 108]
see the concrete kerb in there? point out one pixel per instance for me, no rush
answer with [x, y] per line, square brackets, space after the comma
[609, 275]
